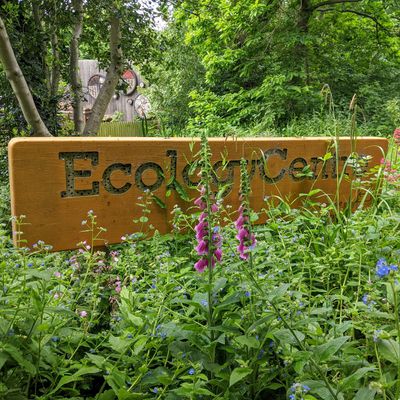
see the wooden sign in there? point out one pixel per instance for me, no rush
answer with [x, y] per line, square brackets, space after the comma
[56, 181]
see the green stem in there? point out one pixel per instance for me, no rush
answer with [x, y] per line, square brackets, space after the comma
[396, 317]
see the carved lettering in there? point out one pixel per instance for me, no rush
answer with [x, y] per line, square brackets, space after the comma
[139, 178]
[293, 169]
[125, 168]
[71, 173]
[264, 164]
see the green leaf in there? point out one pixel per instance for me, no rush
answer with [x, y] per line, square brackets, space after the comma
[238, 374]
[158, 201]
[389, 350]
[140, 344]
[137, 321]
[325, 351]
[365, 393]
[19, 358]
[250, 342]
[285, 336]
[350, 381]
[219, 284]
[107, 395]
[278, 292]
[118, 344]
[98, 361]
[3, 358]
[75, 377]
[181, 191]
[319, 388]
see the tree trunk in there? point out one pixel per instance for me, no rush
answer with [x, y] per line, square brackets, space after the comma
[55, 70]
[302, 49]
[42, 45]
[113, 74]
[19, 85]
[76, 84]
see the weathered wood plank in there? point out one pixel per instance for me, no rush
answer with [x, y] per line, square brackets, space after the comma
[54, 182]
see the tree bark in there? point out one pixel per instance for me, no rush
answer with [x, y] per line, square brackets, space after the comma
[113, 74]
[55, 70]
[19, 85]
[302, 49]
[76, 84]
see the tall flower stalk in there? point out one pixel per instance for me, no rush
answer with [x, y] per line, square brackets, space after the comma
[246, 237]
[209, 240]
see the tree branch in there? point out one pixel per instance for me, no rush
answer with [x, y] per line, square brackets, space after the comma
[113, 74]
[361, 14]
[330, 3]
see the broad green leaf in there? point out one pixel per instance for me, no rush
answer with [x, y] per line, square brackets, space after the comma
[389, 350]
[17, 355]
[325, 351]
[350, 381]
[319, 388]
[140, 344]
[3, 358]
[107, 395]
[97, 360]
[137, 321]
[119, 344]
[365, 393]
[275, 294]
[238, 374]
[75, 377]
[248, 341]
[285, 336]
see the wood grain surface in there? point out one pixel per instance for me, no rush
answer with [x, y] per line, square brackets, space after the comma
[56, 181]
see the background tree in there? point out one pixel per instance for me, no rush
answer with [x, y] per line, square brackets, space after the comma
[50, 56]
[266, 62]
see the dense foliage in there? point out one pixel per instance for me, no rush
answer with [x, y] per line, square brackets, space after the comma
[265, 63]
[303, 307]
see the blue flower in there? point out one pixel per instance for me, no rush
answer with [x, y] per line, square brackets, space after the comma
[191, 371]
[155, 390]
[383, 269]
[365, 299]
[55, 339]
[204, 302]
[376, 335]
[292, 397]
[247, 294]
[306, 388]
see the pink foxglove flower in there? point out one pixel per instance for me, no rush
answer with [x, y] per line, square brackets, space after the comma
[396, 136]
[247, 241]
[202, 235]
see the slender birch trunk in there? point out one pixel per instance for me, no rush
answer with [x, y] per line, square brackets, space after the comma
[55, 70]
[19, 85]
[76, 84]
[113, 74]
